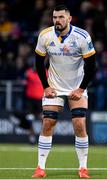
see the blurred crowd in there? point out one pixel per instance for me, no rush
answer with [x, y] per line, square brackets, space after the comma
[20, 23]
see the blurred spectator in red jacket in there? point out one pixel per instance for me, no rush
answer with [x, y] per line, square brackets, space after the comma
[33, 98]
[33, 103]
[33, 93]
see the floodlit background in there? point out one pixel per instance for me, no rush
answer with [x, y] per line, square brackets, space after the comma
[21, 90]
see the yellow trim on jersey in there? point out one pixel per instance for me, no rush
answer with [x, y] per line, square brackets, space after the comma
[47, 42]
[45, 31]
[40, 53]
[60, 39]
[89, 54]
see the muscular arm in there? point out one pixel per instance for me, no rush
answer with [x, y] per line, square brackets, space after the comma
[40, 67]
[89, 71]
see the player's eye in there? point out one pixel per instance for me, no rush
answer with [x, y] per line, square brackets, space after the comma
[61, 17]
[54, 17]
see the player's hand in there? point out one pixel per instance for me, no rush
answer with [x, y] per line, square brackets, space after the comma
[76, 94]
[50, 92]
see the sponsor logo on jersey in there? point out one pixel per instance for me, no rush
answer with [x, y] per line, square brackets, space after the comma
[73, 44]
[52, 43]
[90, 45]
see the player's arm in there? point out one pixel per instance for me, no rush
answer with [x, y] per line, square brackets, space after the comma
[88, 53]
[40, 53]
[89, 71]
[41, 70]
[40, 66]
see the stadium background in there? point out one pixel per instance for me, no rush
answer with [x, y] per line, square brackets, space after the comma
[20, 23]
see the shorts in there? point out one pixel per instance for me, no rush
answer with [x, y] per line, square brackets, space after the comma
[59, 101]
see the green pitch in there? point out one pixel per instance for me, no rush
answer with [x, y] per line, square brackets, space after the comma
[19, 162]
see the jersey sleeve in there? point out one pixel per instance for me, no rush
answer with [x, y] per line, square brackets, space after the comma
[40, 48]
[87, 47]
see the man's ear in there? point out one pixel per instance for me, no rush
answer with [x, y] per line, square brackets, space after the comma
[70, 18]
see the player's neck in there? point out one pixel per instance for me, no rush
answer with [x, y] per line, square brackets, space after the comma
[65, 31]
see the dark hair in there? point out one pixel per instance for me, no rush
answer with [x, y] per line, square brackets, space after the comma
[61, 7]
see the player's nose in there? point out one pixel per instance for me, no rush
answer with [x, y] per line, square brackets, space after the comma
[57, 22]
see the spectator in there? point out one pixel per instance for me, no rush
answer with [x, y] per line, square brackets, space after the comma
[36, 15]
[33, 93]
[101, 82]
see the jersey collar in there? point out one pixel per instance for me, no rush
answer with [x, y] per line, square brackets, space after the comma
[62, 38]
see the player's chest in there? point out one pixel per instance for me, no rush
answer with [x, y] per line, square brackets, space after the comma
[67, 47]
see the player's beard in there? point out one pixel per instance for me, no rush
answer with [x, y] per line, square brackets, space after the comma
[60, 28]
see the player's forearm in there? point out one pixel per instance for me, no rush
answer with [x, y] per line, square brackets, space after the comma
[40, 68]
[89, 71]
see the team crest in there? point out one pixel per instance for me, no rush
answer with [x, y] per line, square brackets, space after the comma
[65, 49]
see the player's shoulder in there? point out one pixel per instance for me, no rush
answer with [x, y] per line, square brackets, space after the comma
[81, 33]
[46, 31]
